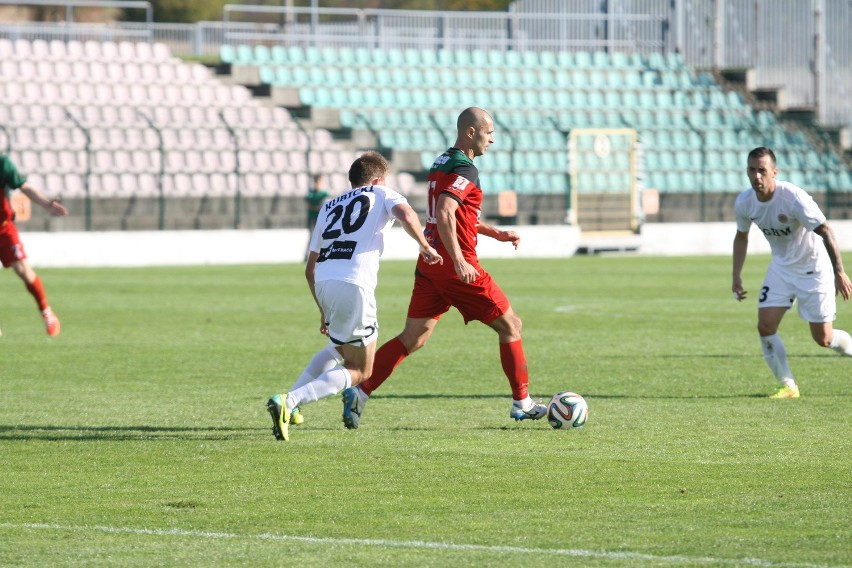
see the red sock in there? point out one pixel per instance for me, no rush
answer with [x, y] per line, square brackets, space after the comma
[37, 291]
[388, 358]
[515, 367]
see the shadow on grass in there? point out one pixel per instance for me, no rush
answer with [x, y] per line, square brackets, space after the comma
[587, 395]
[120, 433]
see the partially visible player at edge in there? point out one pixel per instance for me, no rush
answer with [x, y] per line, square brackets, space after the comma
[805, 266]
[12, 253]
[452, 225]
[342, 273]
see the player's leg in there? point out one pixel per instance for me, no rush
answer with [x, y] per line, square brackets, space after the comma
[819, 309]
[327, 358]
[357, 365]
[514, 362]
[425, 308]
[415, 335]
[839, 340]
[351, 314]
[774, 350]
[777, 295]
[34, 286]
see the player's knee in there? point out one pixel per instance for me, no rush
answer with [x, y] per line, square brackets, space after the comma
[508, 327]
[766, 330]
[822, 340]
[413, 342]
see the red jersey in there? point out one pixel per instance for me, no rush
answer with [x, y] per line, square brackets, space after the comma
[9, 179]
[453, 174]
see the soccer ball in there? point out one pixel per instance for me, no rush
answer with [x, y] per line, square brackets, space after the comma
[567, 410]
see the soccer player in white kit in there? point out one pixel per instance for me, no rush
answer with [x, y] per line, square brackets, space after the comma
[806, 265]
[342, 273]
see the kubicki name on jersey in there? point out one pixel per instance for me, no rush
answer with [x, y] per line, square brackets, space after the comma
[332, 202]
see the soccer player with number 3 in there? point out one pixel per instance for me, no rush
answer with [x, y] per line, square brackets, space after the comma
[342, 273]
[805, 267]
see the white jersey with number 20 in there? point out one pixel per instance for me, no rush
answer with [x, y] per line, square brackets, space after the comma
[349, 235]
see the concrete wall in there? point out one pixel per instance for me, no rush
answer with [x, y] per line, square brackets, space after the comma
[171, 248]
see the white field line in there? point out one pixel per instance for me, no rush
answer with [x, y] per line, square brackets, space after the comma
[418, 544]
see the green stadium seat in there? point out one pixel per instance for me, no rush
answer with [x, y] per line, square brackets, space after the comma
[563, 79]
[582, 59]
[446, 57]
[266, 75]
[313, 55]
[663, 99]
[413, 57]
[565, 59]
[597, 99]
[395, 57]
[547, 59]
[329, 56]
[531, 59]
[612, 99]
[295, 55]
[363, 56]
[600, 59]
[227, 53]
[656, 61]
[245, 55]
[597, 79]
[428, 57]
[651, 79]
[300, 76]
[674, 61]
[278, 53]
[512, 58]
[495, 58]
[262, 55]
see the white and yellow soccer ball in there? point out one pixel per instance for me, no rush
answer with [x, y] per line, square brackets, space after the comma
[567, 410]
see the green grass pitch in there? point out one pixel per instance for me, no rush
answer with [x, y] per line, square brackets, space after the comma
[139, 437]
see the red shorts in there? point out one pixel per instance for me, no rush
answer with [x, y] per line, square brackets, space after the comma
[11, 248]
[481, 300]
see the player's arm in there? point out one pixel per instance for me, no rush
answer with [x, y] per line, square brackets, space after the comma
[841, 280]
[445, 216]
[410, 222]
[740, 251]
[499, 234]
[52, 206]
[310, 276]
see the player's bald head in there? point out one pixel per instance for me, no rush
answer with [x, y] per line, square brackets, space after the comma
[472, 117]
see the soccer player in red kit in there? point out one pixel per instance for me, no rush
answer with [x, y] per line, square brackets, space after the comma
[12, 253]
[452, 227]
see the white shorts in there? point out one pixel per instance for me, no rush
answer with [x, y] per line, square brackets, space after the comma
[350, 312]
[814, 292]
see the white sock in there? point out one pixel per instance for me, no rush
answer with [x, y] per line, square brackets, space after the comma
[524, 404]
[331, 382]
[776, 357]
[841, 342]
[326, 359]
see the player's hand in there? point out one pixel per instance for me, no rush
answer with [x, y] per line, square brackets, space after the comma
[511, 237]
[843, 285]
[431, 256]
[466, 272]
[737, 289]
[55, 208]
[323, 326]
